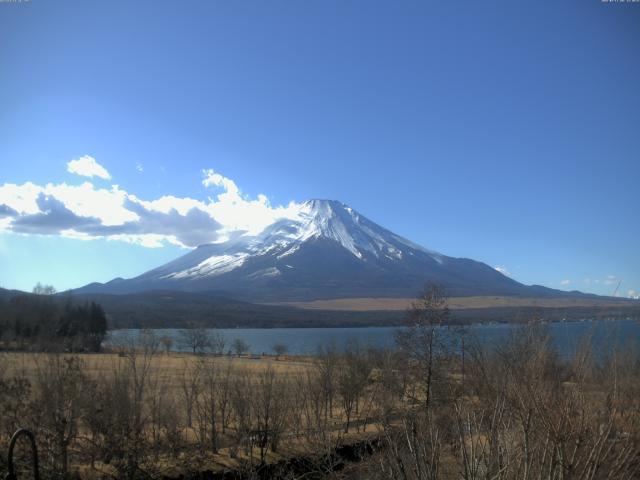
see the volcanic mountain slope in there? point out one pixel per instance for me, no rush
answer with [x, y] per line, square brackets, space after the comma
[326, 250]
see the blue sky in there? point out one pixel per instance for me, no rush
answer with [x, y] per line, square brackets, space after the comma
[504, 132]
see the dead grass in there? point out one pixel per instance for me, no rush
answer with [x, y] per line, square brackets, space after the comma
[168, 368]
[454, 303]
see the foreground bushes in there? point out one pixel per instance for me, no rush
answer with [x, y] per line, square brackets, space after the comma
[433, 409]
[520, 412]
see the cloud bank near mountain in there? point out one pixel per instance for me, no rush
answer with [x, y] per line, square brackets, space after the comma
[87, 211]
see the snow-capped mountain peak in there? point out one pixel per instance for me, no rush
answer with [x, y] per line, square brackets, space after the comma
[314, 221]
[335, 221]
[322, 248]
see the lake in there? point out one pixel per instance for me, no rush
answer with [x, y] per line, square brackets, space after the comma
[301, 341]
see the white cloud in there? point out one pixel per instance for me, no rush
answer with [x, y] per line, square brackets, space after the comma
[83, 200]
[139, 167]
[565, 282]
[610, 280]
[88, 167]
[86, 212]
[213, 179]
[149, 240]
[237, 212]
[503, 270]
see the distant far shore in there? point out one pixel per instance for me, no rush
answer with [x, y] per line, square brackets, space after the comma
[459, 303]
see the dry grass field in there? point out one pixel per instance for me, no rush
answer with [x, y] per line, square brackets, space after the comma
[169, 367]
[455, 303]
[140, 413]
[176, 384]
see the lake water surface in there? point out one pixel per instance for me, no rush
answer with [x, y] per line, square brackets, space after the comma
[300, 341]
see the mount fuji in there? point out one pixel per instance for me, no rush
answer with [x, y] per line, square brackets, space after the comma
[326, 250]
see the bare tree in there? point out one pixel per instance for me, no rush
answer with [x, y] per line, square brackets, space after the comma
[125, 414]
[16, 391]
[269, 410]
[413, 450]
[327, 362]
[353, 376]
[40, 289]
[240, 400]
[190, 384]
[59, 393]
[225, 378]
[240, 346]
[423, 341]
[217, 343]
[210, 402]
[167, 343]
[280, 349]
[195, 339]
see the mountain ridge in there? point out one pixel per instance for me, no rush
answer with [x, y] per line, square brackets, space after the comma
[324, 250]
[175, 309]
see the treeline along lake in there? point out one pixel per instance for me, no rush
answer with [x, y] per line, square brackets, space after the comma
[566, 336]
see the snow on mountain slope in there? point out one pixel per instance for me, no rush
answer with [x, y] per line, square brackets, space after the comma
[336, 221]
[323, 249]
[215, 265]
[315, 219]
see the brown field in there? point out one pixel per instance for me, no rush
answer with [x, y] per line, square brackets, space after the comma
[169, 367]
[455, 303]
[167, 373]
[161, 415]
